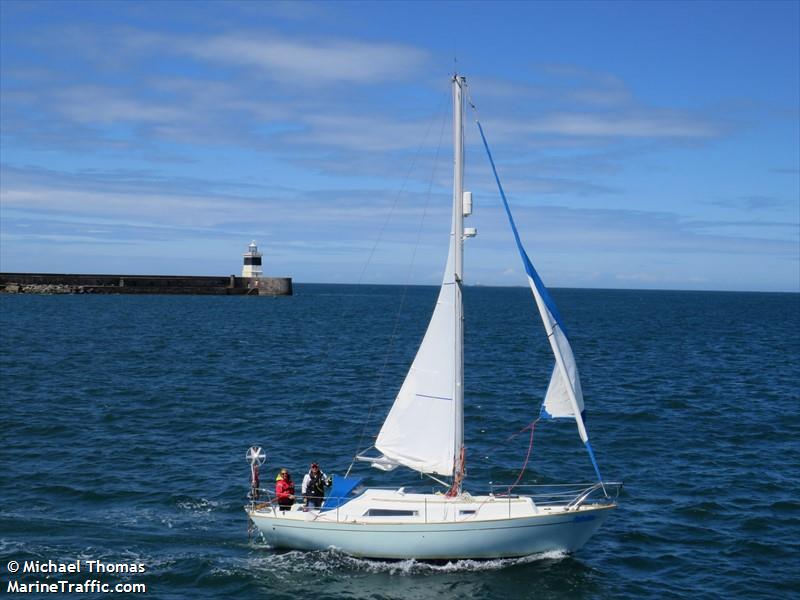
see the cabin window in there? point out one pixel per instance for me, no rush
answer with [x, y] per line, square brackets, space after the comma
[467, 512]
[390, 512]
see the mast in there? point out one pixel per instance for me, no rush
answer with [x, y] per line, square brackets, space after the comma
[424, 429]
[458, 231]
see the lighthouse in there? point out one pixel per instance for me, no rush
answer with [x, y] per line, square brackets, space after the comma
[252, 262]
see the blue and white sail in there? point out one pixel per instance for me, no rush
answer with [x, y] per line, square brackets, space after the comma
[557, 401]
[564, 397]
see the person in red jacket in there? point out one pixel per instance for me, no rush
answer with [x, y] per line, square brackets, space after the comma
[284, 490]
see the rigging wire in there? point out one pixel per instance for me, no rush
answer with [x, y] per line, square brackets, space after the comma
[347, 308]
[402, 189]
[401, 306]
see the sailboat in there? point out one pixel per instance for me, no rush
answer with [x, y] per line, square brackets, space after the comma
[424, 431]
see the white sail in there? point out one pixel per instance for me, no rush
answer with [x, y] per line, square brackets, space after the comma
[419, 431]
[557, 403]
[424, 429]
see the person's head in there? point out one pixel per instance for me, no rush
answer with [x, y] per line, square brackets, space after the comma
[285, 474]
[314, 468]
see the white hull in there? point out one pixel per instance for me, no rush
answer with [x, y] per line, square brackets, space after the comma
[478, 536]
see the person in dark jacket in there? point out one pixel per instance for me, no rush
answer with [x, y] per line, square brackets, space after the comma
[284, 490]
[314, 483]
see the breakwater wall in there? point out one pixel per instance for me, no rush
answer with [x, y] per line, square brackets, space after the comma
[56, 283]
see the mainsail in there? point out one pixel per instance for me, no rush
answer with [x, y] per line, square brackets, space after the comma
[424, 429]
[419, 431]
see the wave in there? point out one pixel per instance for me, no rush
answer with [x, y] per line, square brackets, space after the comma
[330, 561]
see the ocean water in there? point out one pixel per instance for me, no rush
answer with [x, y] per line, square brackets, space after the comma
[125, 421]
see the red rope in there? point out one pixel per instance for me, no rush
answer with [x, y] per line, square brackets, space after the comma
[532, 427]
[458, 478]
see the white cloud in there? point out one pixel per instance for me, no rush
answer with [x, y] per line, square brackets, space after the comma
[362, 133]
[640, 124]
[309, 63]
[102, 105]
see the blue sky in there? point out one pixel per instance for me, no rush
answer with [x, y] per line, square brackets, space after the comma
[641, 144]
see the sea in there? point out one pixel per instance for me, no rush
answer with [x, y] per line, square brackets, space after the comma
[126, 419]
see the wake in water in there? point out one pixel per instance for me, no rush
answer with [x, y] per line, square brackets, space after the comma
[197, 505]
[332, 561]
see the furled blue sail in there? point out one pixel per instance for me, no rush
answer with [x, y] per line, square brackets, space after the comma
[564, 397]
[557, 402]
